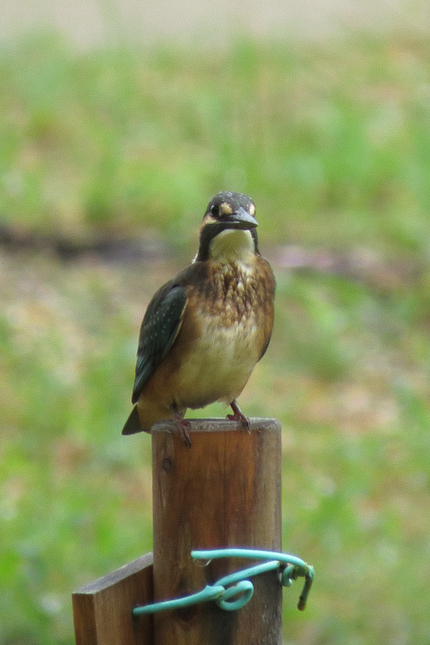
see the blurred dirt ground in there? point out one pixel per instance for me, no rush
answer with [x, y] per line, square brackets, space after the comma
[89, 22]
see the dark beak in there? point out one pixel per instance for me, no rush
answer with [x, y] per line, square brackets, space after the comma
[242, 219]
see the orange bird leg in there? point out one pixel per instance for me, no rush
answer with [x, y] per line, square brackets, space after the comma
[181, 424]
[238, 415]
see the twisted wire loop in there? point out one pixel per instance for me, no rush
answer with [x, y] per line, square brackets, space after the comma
[233, 591]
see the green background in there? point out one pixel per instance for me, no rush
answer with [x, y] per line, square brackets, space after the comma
[128, 144]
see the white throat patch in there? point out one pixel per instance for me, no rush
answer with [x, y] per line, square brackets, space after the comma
[232, 245]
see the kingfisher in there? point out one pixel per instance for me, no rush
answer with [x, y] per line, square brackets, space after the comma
[204, 330]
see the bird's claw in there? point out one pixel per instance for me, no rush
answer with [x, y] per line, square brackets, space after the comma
[239, 417]
[242, 419]
[182, 425]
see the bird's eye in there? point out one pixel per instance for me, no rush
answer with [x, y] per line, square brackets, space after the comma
[215, 210]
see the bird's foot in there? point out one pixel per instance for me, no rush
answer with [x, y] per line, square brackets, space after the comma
[238, 416]
[181, 424]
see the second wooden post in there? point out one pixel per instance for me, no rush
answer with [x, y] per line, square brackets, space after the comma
[224, 491]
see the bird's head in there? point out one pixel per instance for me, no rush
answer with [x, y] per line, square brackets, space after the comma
[228, 229]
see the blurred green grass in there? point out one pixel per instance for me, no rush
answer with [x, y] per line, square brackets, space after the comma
[329, 137]
[332, 142]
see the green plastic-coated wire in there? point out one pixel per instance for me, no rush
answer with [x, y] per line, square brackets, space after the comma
[296, 567]
[208, 593]
[290, 566]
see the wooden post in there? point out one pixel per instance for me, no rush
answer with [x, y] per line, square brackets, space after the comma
[102, 609]
[224, 491]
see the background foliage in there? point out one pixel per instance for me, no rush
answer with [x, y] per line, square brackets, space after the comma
[126, 146]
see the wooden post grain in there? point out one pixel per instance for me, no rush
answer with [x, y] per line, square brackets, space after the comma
[102, 609]
[224, 491]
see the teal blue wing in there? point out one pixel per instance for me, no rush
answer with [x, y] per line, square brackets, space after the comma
[159, 329]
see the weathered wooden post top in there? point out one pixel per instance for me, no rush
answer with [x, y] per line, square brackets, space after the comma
[222, 493]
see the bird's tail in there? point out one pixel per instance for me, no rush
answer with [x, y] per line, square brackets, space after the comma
[132, 425]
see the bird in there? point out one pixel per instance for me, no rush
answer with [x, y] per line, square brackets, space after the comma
[204, 330]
